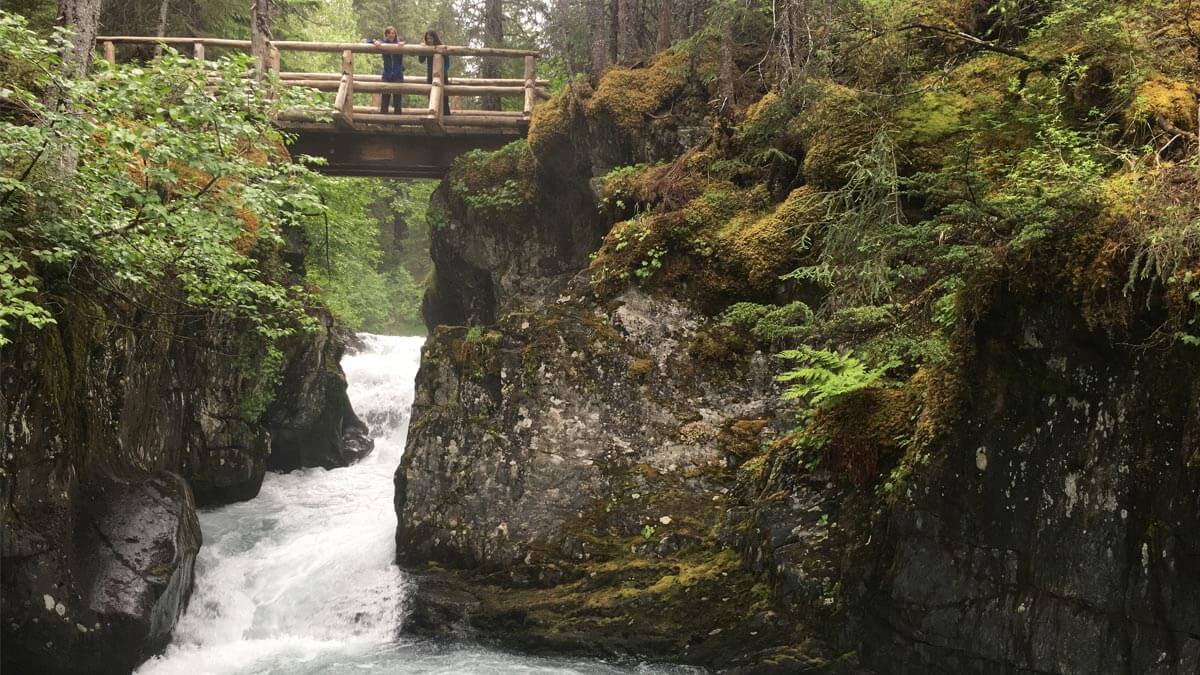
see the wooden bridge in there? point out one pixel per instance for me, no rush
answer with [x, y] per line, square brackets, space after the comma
[358, 140]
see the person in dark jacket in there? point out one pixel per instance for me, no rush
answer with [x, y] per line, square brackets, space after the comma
[431, 39]
[393, 70]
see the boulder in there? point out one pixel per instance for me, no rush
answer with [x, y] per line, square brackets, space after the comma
[311, 421]
[111, 598]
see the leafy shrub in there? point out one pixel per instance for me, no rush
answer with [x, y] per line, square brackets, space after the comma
[175, 176]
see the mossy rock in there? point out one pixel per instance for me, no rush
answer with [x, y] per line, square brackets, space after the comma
[1167, 99]
[864, 427]
[764, 246]
[626, 96]
[554, 132]
[498, 182]
[833, 129]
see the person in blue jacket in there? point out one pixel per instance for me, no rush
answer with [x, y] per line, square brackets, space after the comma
[431, 39]
[393, 70]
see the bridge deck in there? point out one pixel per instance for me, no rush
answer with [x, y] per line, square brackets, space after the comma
[357, 140]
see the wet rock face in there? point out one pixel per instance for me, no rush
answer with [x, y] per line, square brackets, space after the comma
[1060, 531]
[109, 599]
[483, 269]
[570, 465]
[311, 421]
[514, 439]
[114, 420]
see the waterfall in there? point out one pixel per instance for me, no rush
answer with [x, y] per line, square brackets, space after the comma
[301, 579]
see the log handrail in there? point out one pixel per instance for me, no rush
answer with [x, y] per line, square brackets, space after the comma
[335, 47]
[462, 81]
[346, 84]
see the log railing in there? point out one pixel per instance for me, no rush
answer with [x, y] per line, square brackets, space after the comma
[345, 84]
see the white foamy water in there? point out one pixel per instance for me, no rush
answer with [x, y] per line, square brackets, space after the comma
[301, 579]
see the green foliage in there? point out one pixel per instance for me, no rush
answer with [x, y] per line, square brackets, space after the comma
[497, 183]
[265, 372]
[168, 180]
[768, 322]
[824, 377]
[859, 233]
[16, 282]
[364, 287]
[651, 263]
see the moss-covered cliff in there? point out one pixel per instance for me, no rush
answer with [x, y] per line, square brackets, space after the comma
[977, 262]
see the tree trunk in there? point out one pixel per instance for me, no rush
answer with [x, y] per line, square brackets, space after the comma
[260, 36]
[163, 9]
[83, 18]
[726, 75]
[666, 9]
[493, 36]
[627, 30]
[611, 18]
[598, 31]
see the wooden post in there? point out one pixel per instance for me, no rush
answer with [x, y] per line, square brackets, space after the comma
[198, 51]
[343, 117]
[260, 36]
[110, 51]
[530, 81]
[273, 59]
[437, 93]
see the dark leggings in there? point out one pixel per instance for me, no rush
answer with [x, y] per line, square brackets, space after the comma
[396, 102]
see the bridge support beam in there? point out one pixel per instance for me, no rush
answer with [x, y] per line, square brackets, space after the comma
[391, 155]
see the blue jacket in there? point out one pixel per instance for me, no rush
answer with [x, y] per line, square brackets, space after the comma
[393, 64]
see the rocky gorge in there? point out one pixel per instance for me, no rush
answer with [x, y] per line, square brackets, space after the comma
[600, 461]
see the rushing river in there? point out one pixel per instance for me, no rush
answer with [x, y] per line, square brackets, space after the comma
[301, 578]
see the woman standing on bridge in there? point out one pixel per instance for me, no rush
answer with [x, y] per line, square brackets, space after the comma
[431, 39]
[393, 71]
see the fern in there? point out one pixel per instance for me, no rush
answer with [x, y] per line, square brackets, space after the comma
[825, 377]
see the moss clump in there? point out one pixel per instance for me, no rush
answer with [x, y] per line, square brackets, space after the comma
[473, 351]
[628, 95]
[862, 428]
[499, 182]
[718, 344]
[722, 243]
[741, 438]
[763, 246]
[1161, 98]
[627, 248]
[640, 368]
[765, 120]
[550, 130]
[832, 130]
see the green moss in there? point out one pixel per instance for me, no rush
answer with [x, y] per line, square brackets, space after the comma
[833, 129]
[550, 127]
[472, 351]
[718, 344]
[765, 119]
[497, 183]
[763, 246]
[628, 95]
[1172, 100]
